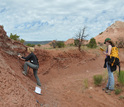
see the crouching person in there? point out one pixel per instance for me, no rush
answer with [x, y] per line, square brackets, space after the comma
[34, 64]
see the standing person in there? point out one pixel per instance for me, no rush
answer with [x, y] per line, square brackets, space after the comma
[34, 64]
[110, 85]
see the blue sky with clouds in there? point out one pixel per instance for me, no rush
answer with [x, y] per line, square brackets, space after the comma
[41, 20]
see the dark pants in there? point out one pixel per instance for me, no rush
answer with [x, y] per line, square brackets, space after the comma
[35, 69]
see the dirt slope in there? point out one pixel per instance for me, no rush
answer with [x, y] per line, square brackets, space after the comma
[14, 87]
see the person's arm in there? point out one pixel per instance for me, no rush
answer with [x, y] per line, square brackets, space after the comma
[28, 57]
[109, 50]
[25, 58]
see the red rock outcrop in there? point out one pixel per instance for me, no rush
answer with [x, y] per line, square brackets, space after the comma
[69, 41]
[114, 32]
[13, 91]
[10, 46]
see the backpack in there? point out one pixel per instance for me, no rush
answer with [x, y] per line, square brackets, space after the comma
[114, 59]
[114, 52]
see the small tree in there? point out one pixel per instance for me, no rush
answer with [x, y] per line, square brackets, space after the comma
[60, 44]
[39, 45]
[22, 40]
[81, 37]
[14, 37]
[53, 44]
[92, 43]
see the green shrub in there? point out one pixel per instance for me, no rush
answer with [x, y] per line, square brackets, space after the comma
[14, 37]
[118, 91]
[22, 40]
[100, 33]
[76, 42]
[71, 44]
[121, 97]
[98, 79]
[92, 43]
[39, 45]
[30, 45]
[57, 44]
[86, 83]
[60, 44]
[121, 78]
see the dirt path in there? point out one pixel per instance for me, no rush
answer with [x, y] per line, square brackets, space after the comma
[69, 91]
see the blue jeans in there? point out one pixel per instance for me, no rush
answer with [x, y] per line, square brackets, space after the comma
[110, 84]
[35, 69]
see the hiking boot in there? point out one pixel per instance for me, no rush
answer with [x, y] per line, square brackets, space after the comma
[23, 72]
[108, 91]
[104, 89]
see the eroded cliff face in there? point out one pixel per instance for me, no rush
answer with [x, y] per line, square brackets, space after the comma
[10, 46]
[14, 92]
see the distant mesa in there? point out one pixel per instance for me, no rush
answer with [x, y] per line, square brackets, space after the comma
[114, 32]
[69, 41]
[37, 42]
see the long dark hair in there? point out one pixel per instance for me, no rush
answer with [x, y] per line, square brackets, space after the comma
[111, 42]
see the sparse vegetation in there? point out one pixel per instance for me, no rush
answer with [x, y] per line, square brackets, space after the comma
[90, 97]
[39, 45]
[53, 44]
[98, 80]
[121, 78]
[92, 43]
[86, 83]
[22, 40]
[60, 44]
[101, 44]
[57, 44]
[16, 37]
[121, 97]
[118, 91]
[71, 44]
[76, 42]
[100, 33]
[30, 45]
[120, 43]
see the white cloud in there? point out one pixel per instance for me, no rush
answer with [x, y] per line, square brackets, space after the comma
[57, 19]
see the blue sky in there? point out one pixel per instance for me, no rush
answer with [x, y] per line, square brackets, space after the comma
[41, 20]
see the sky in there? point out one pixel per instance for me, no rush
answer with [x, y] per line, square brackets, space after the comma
[41, 20]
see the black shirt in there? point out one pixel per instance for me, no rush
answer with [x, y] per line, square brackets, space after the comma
[32, 58]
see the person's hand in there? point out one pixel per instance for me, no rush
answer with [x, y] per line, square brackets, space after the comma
[19, 56]
[104, 52]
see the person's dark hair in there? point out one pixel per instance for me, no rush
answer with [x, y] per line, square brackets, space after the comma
[111, 42]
